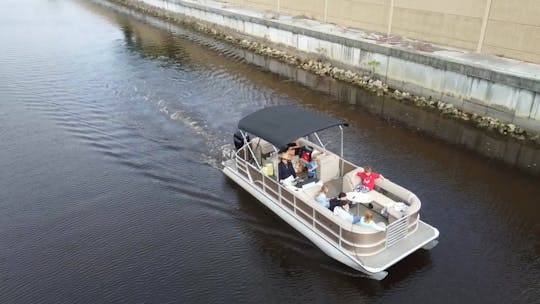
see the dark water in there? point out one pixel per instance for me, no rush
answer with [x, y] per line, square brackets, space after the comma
[111, 133]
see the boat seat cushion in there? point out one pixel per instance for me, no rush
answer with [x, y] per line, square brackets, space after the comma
[308, 195]
[400, 193]
[380, 199]
[261, 148]
[328, 167]
[351, 180]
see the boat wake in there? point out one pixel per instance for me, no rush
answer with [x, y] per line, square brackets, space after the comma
[216, 145]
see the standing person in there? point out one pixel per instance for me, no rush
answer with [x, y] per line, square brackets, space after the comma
[285, 167]
[367, 220]
[344, 213]
[368, 178]
[338, 201]
[312, 167]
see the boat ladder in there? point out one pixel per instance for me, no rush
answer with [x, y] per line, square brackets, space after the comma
[397, 231]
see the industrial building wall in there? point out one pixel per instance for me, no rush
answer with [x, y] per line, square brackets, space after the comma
[505, 28]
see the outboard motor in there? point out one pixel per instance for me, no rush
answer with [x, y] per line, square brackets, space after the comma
[239, 140]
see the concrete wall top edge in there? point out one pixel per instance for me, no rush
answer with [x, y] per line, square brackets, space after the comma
[531, 83]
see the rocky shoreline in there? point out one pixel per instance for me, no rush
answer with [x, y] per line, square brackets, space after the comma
[366, 80]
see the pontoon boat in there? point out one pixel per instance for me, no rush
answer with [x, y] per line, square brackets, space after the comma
[254, 166]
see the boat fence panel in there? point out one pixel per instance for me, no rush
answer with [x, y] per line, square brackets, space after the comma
[304, 211]
[347, 166]
[413, 218]
[256, 176]
[241, 167]
[327, 227]
[271, 187]
[243, 154]
[356, 243]
[396, 231]
[287, 199]
[243, 158]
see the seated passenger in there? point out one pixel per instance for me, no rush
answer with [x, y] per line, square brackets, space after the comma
[368, 179]
[337, 201]
[343, 212]
[367, 220]
[321, 197]
[285, 167]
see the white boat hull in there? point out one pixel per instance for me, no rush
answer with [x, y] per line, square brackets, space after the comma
[297, 224]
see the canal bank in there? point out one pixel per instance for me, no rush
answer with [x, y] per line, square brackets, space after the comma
[394, 111]
[491, 92]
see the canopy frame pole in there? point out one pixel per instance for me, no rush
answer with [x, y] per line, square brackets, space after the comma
[320, 141]
[249, 148]
[341, 156]
[341, 131]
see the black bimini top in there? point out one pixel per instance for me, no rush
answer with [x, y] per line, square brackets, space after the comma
[281, 125]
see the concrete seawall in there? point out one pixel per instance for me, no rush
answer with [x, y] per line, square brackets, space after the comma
[505, 89]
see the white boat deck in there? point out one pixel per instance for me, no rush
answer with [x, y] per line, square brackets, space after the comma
[423, 235]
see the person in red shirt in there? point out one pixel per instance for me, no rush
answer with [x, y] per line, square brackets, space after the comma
[368, 178]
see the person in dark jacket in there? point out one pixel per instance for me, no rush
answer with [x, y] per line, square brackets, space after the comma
[285, 167]
[338, 201]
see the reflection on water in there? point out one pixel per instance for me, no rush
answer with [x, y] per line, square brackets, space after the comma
[510, 151]
[432, 123]
[110, 149]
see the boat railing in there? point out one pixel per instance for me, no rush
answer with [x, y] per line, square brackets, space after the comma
[316, 220]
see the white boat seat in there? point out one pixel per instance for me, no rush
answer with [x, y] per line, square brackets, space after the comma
[380, 199]
[261, 148]
[310, 192]
[401, 194]
[328, 167]
[351, 180]
[308, 195]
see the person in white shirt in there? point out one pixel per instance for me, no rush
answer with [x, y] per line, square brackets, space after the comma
[343, 212]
